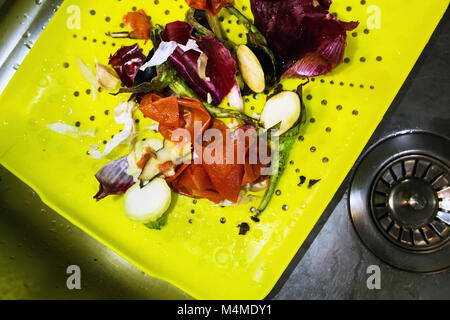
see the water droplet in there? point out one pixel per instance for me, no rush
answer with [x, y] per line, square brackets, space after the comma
[28, 44]
[222, 256]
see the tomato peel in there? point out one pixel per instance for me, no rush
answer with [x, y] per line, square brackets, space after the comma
[139, 22]
[211, 6]
[210, 180]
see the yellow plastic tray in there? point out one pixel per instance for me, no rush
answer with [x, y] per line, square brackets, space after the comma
[205, 258]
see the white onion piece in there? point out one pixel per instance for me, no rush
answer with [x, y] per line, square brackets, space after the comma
[71, 131]
[123, 114]
[89, 76]
[251, 69]
[235, 97]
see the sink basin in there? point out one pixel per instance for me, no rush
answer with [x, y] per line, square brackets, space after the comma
[36, 244]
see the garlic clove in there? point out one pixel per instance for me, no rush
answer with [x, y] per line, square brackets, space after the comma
[284, 107]
[251, 69]
[107, 78]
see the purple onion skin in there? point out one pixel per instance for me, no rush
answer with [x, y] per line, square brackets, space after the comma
[114, 179]
[307, 39]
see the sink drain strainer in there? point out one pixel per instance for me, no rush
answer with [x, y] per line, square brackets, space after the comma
[400, 201]
[406, 202]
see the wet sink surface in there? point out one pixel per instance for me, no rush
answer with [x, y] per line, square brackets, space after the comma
[37, 245]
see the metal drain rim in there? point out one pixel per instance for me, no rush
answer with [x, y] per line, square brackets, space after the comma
[384, 152]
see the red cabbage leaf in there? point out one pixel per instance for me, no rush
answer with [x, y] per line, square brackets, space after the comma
[127, 61]
[220, 69]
